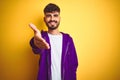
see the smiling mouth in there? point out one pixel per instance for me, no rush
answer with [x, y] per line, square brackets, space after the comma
[52, 23]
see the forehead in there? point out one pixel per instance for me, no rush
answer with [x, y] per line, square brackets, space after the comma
[52, 13]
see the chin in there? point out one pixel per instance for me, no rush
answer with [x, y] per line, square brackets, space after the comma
[52, 28]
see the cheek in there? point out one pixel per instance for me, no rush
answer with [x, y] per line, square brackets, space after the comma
[47, 19]
[58, 19]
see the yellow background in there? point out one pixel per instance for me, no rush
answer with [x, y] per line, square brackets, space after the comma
[93, 24]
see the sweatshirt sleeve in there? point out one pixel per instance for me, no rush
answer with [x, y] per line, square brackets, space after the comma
[73, 59]
[35, 49]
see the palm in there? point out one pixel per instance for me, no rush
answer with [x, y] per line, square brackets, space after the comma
[38, 40]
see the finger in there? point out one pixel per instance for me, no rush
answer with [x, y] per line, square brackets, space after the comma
[33, 27]
[39, 39]
[46, 45]
[43, 44]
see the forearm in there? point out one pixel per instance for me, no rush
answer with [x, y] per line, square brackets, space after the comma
[35, 49]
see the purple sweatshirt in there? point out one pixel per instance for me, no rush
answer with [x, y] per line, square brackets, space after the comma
[69, 61]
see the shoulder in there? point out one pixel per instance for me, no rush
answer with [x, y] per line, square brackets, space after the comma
[44, 33]
[66, 36]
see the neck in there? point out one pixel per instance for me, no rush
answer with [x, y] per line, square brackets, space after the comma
[54, 32]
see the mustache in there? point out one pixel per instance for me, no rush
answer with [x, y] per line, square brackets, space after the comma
[52, 21]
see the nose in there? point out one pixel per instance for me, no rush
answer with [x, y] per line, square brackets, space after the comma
[52, 18]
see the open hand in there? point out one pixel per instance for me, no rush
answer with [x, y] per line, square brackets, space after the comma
[38, 40]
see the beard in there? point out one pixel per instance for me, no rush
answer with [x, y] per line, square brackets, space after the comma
[52, 27]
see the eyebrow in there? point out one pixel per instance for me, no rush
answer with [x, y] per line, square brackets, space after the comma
[50, 14]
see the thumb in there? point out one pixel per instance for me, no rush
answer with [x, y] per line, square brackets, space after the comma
[33, 27]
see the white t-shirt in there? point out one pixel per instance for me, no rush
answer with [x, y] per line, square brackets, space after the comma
[56, 51]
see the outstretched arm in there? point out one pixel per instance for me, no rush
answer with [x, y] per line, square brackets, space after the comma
[38, 41]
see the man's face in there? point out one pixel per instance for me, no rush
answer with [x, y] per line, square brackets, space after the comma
[52, 20]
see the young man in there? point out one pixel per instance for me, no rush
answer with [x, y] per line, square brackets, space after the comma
[58, 58]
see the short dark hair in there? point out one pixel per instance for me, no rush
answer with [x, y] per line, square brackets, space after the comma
[51, 8]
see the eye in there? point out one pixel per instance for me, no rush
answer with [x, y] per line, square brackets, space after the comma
[56, 15]
[48, 15]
